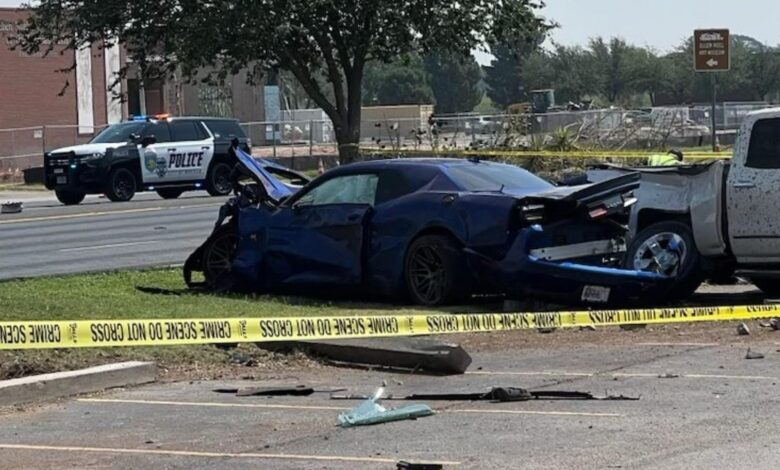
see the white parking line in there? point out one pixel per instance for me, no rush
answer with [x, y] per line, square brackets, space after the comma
[548, 373]
[102, 247]
[333, 408]
[192, 453]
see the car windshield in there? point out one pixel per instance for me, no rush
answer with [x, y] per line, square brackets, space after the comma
[495, 177]
[118, 133]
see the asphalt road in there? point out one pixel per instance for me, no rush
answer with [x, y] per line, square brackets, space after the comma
[49, 238]
[702, 405]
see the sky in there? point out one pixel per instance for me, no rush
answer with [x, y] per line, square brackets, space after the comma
[660, 24]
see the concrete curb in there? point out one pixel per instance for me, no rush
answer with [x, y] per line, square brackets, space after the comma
[38, 388]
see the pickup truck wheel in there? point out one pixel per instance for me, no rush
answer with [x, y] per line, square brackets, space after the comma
[218, 179]
[169, 193]
[121, 185]
[434, 271]
[767, 285]
[668, 248]
[69, 198]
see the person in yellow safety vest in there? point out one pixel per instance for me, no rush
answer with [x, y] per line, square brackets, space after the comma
[671, 158]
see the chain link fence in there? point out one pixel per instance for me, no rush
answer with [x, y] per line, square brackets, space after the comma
[302, 144]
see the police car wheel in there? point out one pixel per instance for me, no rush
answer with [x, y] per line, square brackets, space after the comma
[170, 193]
[218, 179]
[121, 185]
[69, 198]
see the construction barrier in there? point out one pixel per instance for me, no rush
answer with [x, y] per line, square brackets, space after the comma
[574, 154]
[108, 333]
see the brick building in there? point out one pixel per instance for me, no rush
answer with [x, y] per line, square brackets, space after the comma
[42, 108]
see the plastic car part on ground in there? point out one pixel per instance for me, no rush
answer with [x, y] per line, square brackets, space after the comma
[371, 412]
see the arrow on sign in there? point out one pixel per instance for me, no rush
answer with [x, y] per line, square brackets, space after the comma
[712, 63]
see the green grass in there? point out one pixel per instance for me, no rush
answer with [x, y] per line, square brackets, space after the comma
[21, 187]
[156, 293]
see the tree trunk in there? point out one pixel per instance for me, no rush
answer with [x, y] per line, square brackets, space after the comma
[348, 139]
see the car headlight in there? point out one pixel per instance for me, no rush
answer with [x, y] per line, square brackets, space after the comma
[92, 157]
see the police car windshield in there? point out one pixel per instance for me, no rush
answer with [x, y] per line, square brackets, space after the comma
[118, 133]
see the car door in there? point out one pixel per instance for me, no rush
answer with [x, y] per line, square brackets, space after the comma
[319, 239]
[154, 158]
[752, 201]
[189, 153]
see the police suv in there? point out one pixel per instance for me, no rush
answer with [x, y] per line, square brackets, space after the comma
[165, 154]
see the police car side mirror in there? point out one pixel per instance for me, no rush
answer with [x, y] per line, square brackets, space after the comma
[148, 140]
[133, 137]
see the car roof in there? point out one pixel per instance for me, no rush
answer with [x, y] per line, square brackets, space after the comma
[413, 162]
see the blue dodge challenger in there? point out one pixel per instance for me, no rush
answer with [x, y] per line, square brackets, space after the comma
[433, 231]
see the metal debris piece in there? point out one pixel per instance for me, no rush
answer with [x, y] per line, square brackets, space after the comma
[371, 412]
[753, 355]
[743, 329]
[668, 376]
[299, 391]
[496, 394]
[11, 207]
[404, 465]
[588, 328]
[774, 323]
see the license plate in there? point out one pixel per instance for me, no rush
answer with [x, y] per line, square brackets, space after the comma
[59, 171]
[62, 180]
[596, 294]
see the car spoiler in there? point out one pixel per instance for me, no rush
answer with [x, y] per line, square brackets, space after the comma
[589, 193]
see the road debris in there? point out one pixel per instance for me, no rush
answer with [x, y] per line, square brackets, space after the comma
[495, 394]
[743, 329]
[11, 207]
[753, 355]
[297, 391]
[371, 412]
[775, 323]
[404, 465]
[668, 376]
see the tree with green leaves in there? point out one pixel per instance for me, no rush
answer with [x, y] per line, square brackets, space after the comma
[333, 38]
[455, 80]
[403, 81]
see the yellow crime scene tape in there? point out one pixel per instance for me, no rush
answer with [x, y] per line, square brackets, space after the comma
[154, 332]
[593, 154]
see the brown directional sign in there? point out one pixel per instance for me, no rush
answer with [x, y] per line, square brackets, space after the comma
[711, 50]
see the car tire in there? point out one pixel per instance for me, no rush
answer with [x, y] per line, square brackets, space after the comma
[434, 271]
[218, 179]
[121, 185]
[769, 286]
[675, 255]
[169, 193]
[218, 254]
[70, 198]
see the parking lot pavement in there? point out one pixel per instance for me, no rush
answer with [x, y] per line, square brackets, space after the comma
[702, 406]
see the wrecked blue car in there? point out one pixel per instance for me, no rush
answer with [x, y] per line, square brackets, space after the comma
[433, 231]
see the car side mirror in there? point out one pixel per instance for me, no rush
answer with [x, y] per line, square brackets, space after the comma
[148, 140]
[133, 137]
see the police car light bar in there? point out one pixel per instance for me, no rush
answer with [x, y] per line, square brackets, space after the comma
[141, 117]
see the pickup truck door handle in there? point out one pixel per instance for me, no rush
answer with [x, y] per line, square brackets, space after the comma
[744, 185]
[171, 150]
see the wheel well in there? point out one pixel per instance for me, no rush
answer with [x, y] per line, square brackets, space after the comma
[649, 217]
[436, 231]
[135, 169]
[223, 158]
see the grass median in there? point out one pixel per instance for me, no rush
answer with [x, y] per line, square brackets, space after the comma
[154, 293]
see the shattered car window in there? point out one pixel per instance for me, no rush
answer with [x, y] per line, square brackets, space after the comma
[493, 177]
[352, 189]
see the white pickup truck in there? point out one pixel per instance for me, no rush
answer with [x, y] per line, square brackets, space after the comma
[711, 221]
